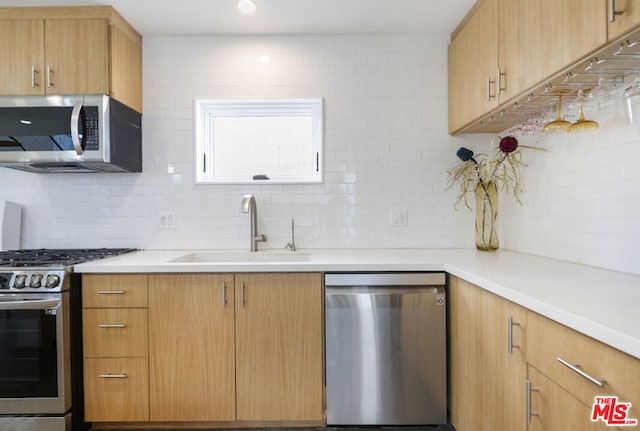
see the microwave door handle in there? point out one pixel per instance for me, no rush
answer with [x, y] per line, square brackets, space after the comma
[38, 304]
[75, 133]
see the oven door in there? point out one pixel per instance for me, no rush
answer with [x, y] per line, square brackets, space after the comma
[34, 354]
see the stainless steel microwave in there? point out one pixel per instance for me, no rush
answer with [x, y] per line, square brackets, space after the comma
[57, 134]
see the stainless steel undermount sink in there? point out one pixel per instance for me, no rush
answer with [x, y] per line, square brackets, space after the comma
[223, 256]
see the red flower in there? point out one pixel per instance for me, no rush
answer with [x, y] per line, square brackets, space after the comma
[508, 144]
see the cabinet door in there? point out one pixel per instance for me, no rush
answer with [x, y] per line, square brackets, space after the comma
[191, 351]
[22, 47]
[77, 54]
[279, 347]
[473, 65]
[486, 390]
[540, 38]
[629, 18]
[554, 409]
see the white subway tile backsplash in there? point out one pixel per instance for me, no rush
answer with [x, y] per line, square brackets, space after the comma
[385, 132]
[581, 200]
[386, 147]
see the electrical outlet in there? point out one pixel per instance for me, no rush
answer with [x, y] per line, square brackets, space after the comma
[167, 219]
[399, 217]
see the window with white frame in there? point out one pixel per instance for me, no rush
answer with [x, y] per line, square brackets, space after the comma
[246, 141]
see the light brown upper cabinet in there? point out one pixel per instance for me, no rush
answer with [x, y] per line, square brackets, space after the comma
[503, 48]
[70, 50]
[622, 16]
[539, 38]
[473, 65]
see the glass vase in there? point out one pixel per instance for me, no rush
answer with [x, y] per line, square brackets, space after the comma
[486, 216]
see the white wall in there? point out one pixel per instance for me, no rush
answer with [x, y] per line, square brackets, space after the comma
[386, 147]
[582, 197]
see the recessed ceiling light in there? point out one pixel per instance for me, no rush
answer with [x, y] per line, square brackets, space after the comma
[247, 6]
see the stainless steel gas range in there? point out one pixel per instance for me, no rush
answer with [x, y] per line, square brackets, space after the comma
[41, 339]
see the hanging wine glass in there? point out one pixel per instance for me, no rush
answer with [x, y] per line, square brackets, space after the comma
[558, 125]
[582, 125]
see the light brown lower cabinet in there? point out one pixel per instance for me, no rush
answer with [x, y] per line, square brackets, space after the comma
[191, 347]
[115, 339]
[486, 359]
[566, 370]
[228, 348]
[553, 408]
[279, 353]
[116, 389]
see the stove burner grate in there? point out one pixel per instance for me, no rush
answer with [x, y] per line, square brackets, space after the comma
[56, 257]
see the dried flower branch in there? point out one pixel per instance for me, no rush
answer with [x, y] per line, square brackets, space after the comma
[502, 169]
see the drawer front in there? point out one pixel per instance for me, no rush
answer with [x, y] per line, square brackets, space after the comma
[115, 332]
[552, 408]
[116, 390]
[114, 291]
[620, 373]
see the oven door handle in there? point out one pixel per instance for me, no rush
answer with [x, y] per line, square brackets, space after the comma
[26, 304]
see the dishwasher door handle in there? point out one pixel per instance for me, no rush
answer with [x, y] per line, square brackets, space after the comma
[386, 279]
[380, 290]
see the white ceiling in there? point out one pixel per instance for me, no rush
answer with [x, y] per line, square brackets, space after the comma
[190, 17]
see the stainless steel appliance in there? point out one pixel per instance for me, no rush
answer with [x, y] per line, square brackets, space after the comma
[55, 134]
[10, 225]
[40, 339]
[386, 349]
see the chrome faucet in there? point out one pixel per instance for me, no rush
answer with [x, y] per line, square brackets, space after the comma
[249, 206]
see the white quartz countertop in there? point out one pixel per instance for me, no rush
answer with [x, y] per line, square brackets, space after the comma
[599, 303]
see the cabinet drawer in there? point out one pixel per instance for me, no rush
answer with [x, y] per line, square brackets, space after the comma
[115, 332]
[116, 390]
[620, 373]
[113, 291]
[554, 409]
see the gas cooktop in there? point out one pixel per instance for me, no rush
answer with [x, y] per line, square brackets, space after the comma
[35, 270]
[56, 257]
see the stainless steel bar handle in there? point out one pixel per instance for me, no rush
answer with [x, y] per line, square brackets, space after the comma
[34, 84]
[38, 304]
[529, 412]
[489, 83]
[112, 325]
[75, 131]
[110, 292]
[576, 368]
[242, 295]
[612, 12]
[501, 75]
[49, 71]
[224, 295]
[113, 376]
[510, 325]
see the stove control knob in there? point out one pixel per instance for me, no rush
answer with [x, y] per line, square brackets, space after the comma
[20, 281]
[36, 280]
[52, 281]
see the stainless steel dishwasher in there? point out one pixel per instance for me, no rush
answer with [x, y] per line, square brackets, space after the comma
[386, 348]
